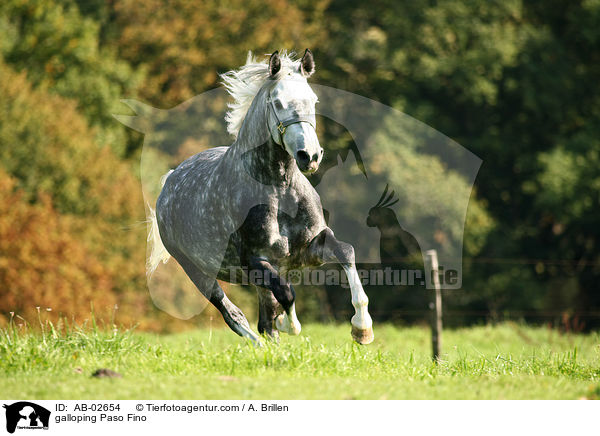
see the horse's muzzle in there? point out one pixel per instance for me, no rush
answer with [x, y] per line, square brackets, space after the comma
[308, 163]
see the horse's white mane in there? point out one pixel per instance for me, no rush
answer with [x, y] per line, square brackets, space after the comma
[243, 85]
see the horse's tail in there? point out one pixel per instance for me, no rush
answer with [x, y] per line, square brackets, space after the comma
[158, 252]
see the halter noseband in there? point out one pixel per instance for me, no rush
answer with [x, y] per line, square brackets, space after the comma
[282, 125]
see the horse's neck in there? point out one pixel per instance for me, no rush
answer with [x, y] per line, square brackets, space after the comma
[255, 150]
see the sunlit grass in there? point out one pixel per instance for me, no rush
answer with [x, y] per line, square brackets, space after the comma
[506, 361]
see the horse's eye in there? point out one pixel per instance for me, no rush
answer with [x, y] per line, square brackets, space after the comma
[278, 105]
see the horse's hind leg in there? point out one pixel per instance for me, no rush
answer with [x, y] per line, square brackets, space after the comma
[233, 316]
[269, 279]
[267, 311]
[210, 288]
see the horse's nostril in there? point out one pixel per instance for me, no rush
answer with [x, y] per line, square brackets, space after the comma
[303, 157]
[315, 157]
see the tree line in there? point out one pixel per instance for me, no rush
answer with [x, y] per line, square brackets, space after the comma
[514, 82]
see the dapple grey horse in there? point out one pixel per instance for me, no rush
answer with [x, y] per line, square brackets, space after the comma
[248, 211]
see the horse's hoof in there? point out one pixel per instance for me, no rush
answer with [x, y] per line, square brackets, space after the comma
[363, 336]
[283, 324]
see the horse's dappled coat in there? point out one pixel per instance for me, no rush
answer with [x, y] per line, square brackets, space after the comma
[249, 207]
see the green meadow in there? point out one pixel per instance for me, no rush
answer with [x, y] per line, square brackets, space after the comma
[508, 361]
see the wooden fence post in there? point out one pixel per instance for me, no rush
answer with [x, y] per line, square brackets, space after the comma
[435, 305]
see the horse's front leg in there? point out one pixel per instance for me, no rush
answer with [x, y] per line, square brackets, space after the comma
[262, 273]
[326, 248]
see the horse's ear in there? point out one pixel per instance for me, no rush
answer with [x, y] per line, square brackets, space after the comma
[274, 64]
[307, 64]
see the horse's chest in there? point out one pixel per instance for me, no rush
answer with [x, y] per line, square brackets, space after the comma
[283, 228]
[301, 227]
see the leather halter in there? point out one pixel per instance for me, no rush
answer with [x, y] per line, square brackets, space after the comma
[282, 125]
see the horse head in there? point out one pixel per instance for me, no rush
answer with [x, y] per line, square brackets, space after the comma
[291, 106]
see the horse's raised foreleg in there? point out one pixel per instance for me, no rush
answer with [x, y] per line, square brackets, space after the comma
[262, 274]
[326, 248]
[211, 289]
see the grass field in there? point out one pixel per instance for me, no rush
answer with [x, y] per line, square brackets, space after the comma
[510, 361]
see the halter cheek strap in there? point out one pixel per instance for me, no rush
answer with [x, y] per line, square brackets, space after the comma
[282, 125]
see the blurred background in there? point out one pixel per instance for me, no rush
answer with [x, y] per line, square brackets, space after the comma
[514, 82]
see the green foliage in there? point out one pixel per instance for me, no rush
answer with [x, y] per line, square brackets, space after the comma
[511, 81]
[428, 187]
[70, 248]
[60, 50]
[48, 146]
